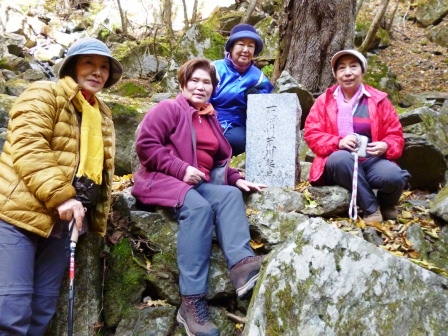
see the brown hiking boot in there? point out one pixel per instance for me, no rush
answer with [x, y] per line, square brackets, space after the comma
[194, 315]
[374, 217]
[245, 273]
[389, 211]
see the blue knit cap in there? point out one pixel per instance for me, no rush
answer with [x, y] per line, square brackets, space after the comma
[244, 30]
[92, 46]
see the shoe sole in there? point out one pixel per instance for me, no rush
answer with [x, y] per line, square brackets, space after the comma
[184, 323]
[242, 291]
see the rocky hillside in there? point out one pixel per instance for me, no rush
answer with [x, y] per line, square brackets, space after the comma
[420, 63]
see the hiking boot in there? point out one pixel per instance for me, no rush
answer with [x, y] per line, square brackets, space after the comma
[374, 217]
[245, 273]
[194, 315]
[389, 211]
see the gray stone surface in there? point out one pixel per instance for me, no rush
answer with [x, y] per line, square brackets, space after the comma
[424, 161]
[273, 139]
[323, 281]
[431, 12]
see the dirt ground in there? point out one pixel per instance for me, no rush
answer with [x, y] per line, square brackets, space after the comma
[419, 64]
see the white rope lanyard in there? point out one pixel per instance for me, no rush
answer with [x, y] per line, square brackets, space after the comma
[353, 210]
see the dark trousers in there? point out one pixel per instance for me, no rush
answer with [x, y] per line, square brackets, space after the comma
[206, 208]
[373, 173]
[236, 136]
[31, 272]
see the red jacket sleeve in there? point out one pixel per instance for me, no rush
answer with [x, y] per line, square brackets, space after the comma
[320, 131]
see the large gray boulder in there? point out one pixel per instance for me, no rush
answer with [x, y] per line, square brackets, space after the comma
[439, 33]
[431, 12]
[323, 281]
[424, 161]
[287, 84]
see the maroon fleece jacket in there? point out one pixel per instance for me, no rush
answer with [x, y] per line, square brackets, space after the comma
[166, 146]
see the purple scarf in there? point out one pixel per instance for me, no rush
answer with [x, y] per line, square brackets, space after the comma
[345, 112]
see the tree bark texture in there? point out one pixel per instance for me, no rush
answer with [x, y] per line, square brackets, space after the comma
[194, 14]
[311, 32]
[124, 25]
[186, 21]
[167, 15]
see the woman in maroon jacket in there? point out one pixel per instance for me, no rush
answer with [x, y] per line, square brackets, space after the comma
[184, 165]
[340, 119]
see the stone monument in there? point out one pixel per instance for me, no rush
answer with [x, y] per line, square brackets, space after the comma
[273, 139]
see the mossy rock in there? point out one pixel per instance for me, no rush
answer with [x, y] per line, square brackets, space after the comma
[379, 76]
[384, 38]
[223, 20]
[124, 282]
[164, 278]
[200, 41]
[361, 28]
[268, 29]
[159, 46]
[130, 89]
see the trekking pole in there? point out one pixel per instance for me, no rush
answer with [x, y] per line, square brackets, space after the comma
[71, 291]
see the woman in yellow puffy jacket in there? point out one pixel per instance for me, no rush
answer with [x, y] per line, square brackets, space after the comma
[57, 165]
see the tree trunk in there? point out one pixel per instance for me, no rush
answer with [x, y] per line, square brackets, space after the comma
[167, 16]
[124, 25]
[249, 11]
[391, 19]
[311, 32]
[186, 22]
[364, 47]
[194, 14]
[358, 6]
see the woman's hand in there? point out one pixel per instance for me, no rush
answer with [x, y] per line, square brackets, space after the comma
[377, 148]
[193, 175]
[72, 208]
[248, 186]
[349, 142]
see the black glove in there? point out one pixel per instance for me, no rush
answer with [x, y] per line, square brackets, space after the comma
[86, 191]
[252, 90]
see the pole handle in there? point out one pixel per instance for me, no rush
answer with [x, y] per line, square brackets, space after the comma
[74, 229]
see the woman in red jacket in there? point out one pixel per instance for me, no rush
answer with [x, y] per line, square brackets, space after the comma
[345, 116]
[184, 160]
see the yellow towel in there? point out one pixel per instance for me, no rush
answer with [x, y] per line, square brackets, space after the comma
[92, 147]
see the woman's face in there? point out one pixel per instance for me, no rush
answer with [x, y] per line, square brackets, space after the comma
[198, 88]
[92, 72]
[348, 73]
[242, 51]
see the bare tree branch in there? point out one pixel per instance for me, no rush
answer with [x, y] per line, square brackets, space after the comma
[236, 318]
[249, 11]
[194, 14]
[124, 25]
[364, 47]
[186, 22]
[391, 20]
[358, 6]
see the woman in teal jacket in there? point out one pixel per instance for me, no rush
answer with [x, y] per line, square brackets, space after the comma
[238, 77]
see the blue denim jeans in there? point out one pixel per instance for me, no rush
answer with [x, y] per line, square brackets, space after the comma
[31, 272]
